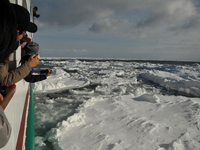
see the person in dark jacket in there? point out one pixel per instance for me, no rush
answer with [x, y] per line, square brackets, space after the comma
[30, 49]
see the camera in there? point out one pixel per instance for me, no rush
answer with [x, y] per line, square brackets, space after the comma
[3, 91]
[46, 71]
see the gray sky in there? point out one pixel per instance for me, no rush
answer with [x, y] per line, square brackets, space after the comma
[133, 29]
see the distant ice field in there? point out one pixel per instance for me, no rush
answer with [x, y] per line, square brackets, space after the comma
[117, 105]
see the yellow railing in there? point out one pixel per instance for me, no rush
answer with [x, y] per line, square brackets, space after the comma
[9, 94]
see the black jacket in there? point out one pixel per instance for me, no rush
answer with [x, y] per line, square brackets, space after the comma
[34, 78]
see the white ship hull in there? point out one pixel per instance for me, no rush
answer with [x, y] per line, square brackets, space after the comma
[16, 112]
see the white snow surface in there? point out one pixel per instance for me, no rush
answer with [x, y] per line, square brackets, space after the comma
[57, 81]
[129, 114]
[179, 82]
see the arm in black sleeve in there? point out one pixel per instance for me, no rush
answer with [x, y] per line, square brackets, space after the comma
[34, 78]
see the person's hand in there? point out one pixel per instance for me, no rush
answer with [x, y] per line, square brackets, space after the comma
[49, 73]
[33, 60]
[1, 98]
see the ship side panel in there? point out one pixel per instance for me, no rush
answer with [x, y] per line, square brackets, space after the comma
[22, 131]
[14, 112]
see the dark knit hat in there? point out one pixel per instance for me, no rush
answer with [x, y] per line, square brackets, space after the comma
[23, 19]
[31, 48]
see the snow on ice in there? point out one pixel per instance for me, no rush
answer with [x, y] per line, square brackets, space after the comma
[118, 105]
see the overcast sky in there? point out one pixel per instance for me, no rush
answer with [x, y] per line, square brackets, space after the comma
[133, 29]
